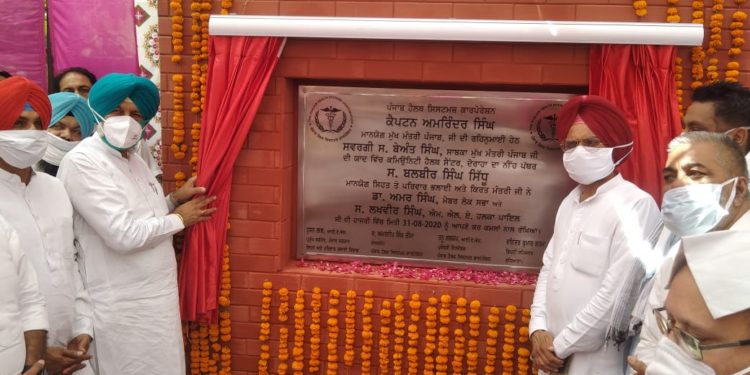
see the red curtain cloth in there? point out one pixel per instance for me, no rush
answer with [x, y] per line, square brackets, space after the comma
[239, 69]
[639, 80]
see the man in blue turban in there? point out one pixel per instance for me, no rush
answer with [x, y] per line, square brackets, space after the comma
[119, 94]
[71, 121]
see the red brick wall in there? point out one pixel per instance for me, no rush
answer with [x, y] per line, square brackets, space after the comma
[263, 191]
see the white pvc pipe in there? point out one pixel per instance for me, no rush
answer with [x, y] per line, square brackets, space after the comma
[678, 34]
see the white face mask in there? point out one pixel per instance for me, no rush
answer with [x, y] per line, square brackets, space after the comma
[121, 132]
[22, 148]
[586, 165]
[695, 209]
[57, 149]
[670, 359]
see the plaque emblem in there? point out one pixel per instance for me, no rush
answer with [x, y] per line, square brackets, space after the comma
[330, 119]
[542, 127]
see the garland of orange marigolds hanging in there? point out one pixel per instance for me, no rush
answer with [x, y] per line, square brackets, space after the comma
[265, 328]
[333, 332]
[298, 351]
[399, 332]
[458, 337]
[673, 14]
[315, 303]
[367, 340]
[640, 7]
[430, 336]
[493, 321]
[472, 355]
[714, 43]
[441, 361]
[509, 341]
[177, 28]
[739, 17]
[523, 352]
[697, 54]
[178, 146]
[412, 353]
[283, 316]
[385, 333]
[351, 307]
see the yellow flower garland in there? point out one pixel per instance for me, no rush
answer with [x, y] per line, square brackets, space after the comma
[459, 340]
[493, 321]
[430, 345]
[367, 336]
[523, 353]
[298, 362]
[333, 332]
[678, 84]
[441, 361]
[177, 30]
[739, 17]
[640, 7]
[509, 335]
[384, 338]
[399, 332]
[412, 353]
[283, 316]
[265, 328]
[673, 14]
[697, 54]
[315, 304]
[351, 306]
[472, 354]
[226, 6]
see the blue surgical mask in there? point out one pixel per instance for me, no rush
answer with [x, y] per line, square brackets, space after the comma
[695, 209]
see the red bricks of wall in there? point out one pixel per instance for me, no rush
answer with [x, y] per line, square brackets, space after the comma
[263, 205]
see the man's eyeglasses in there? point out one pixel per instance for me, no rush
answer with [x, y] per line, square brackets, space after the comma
[573, 143]
[689, 343]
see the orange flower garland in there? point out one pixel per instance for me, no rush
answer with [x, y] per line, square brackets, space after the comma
[509, 338]
[367, 337]
[333, 332]
[523, 352]
[283, 316]
[640, 7]
[178, 147]
[177, 30]
[225, 316]
[443, 339]
[678, 84]
[298, 351]
[673, 14]
[226, 6]
[399, 333]
[472, 355]
[493, 321]
[384, 339]
[697, 54]
[430, 336]
[351, 306]
[458, 337]
[265, 328]
[739, 17]
[315, 303]
[412, 352]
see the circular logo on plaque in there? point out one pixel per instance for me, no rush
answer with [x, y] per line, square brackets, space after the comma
[330, 119]
[542, 127]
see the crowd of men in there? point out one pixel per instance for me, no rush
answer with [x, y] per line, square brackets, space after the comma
[88, 280]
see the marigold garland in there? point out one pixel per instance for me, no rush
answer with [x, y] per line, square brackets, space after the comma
[333, 332]
[367, 336]
[177, 30]
[472, 354]
[739, 17]
[298, 351]
[640, 7]
[384, 340]
[493, 321]
[441, 360]
[283, 316]
[265, 328]
[678, 84]
[673, 14]
[430, 337]
[697, 54]
[226, 6]
[399, 332]
[412, 353]
[315, 304]
[509, 338]
[523, 352]
[459, 340]
[351, 306]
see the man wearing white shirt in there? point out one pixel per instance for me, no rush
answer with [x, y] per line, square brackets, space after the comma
[721, 107]
[124, 224]
[600, 228]
[705, 185]
[40, 211]
[23, 317]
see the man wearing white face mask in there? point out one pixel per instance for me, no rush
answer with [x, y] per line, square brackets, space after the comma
[71, 121]
[705, 184]
[600, 228]
[39, 209]
[705, 321]
[124, 224]
[721, 107]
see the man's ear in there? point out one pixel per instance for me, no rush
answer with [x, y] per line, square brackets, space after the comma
[741, 196]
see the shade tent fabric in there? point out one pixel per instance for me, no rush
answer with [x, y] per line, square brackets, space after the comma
[239, 70]
[15, 93]
[639, 80]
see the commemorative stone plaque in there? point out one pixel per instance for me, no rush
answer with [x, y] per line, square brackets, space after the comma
[441, 177]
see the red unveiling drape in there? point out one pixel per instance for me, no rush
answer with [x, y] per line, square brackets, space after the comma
[639, 80]
[239, 69]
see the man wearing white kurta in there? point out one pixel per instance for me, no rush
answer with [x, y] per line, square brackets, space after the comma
[21, 305]
[600, 227]
[715, 162]
[124, 227]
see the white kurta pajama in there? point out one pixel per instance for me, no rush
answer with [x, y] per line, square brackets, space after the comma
[42, 215]
[21, 304]
[124, 230]
[589, 254]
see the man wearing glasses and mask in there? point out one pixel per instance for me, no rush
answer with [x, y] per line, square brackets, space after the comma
[705, 183]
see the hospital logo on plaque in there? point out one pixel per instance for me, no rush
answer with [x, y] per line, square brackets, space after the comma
[330, 119]
[542, 127]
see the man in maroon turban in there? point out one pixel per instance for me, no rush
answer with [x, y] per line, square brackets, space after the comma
[601, 227]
